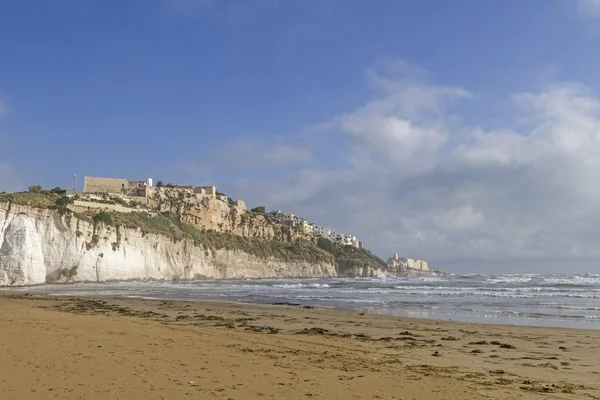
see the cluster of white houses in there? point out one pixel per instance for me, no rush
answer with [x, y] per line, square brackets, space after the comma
[401, 264]
[319, 231]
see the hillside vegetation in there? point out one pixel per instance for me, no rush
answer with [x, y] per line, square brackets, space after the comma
[349, 258]
[44, 199]
[170, 225]
[346, 258]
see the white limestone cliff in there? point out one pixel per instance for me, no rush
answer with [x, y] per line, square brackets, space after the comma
[40, 246]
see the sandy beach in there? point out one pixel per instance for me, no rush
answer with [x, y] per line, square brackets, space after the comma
[116, 348]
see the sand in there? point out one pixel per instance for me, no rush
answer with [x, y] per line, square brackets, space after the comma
[82, 348]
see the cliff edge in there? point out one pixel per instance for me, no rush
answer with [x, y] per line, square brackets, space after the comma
[44, 242]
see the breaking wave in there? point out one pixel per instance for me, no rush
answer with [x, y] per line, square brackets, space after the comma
[525, 299]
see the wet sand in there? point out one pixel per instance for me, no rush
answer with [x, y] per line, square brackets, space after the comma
[115, 348]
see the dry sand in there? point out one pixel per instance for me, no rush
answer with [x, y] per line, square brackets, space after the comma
[81, 348]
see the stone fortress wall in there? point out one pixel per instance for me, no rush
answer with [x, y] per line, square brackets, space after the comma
[104, 185]
[117, 186]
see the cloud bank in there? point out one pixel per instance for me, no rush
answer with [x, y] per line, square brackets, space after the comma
[590, 7]
[414, 181]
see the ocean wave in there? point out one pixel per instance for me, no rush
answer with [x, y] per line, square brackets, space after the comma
[561, 306]
[302, 285]
[565, 300]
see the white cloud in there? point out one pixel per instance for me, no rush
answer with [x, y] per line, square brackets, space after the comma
[590, 7]
[525, 196]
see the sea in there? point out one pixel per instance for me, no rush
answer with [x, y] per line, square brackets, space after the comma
[552, 300]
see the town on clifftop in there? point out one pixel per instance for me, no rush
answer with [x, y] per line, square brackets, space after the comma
[142, 196]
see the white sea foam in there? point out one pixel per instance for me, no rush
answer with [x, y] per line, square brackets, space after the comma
[557, 300]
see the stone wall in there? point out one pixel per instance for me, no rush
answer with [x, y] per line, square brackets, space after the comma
[104, 185]
[83, 206]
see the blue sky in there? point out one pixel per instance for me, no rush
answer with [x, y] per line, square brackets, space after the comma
[382, 118]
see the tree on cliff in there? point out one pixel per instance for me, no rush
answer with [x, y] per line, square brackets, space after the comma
[35, 189]
[160, 184]
[258, 210]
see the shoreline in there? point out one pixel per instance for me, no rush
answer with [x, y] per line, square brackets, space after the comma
[371, 355]
[350, 311]
[521, 321]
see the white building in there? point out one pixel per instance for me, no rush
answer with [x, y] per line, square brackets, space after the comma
[319, 231]
[306, 226]
[283, 217]
[322, 231]
[405, 264]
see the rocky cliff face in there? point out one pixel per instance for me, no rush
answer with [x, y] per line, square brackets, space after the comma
[40, 246]
[207, 212]
[364, 271]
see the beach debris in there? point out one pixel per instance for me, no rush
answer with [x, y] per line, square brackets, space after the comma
[395, 361]
[481, 343]
[362, 313]
[449, 338]
[436, 354]
[497, 343]
[312, 331]
[263, 328]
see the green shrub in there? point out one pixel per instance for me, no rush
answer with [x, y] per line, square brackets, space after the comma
[35, 189]
[118, 200]
[258, 210]
[349, 257]
[103, 217]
